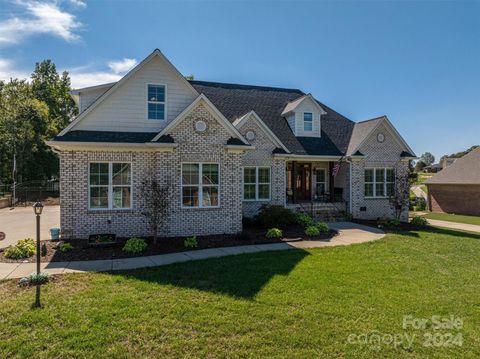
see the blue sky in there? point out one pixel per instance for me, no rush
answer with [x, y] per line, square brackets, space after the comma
[416, 62]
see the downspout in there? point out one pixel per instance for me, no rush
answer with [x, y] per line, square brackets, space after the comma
[349, 160]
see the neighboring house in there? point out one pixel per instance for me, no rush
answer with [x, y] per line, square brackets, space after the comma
[224, 150]
[456, 189]
[437, 167]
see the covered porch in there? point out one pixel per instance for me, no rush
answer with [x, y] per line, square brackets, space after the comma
[312, 182]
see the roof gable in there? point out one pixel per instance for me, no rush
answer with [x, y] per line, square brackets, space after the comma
[202, 99]
[155, 54]
[363, 130]
[238, 123]
[465, 170]
[293, 105]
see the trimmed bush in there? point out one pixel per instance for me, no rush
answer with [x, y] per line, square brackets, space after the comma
[190, 242]
[385, 222]
[274, 233]
[322, 227]
[65, 247]
[135, 245]
[34, 279]
[275, 216]
[304, 220]
[419, 221]
[23, 249]
[312, 231]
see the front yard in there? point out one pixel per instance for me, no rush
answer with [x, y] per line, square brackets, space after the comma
[295, 303]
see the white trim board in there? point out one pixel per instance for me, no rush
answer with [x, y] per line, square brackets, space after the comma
[239, 122]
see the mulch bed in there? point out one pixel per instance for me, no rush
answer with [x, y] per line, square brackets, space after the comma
[83, 251]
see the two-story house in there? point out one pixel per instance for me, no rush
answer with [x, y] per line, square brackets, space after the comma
[222, 149]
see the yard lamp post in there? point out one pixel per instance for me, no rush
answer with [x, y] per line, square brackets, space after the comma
[37, 209]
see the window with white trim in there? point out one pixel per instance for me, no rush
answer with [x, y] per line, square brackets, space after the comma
[110, 185]
[156, 102]
[200, 185]
[308, 121]
[321, 181]
[379, 182]
[256, 183]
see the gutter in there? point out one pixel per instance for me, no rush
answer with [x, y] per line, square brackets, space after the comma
[73, 145]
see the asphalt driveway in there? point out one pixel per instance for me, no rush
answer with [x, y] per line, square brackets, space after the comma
[19, 223]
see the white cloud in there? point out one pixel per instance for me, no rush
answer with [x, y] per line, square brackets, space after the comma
[81, 76]
[122, 66]
[7, 71]
[39, 17]
[78, 3]
[86, 79]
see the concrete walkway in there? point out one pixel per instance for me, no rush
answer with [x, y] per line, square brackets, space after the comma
[19, 223]
[419, 193]
[349, 233]
[454, 225]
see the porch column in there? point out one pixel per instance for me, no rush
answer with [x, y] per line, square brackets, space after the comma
[331, 181]
[294, 184]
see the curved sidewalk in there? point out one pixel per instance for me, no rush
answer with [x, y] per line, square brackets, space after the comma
[349, 233]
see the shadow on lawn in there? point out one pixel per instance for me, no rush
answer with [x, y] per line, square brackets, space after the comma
[238, 276]
[435, 230]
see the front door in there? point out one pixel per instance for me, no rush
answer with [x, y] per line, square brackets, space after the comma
[303, 181]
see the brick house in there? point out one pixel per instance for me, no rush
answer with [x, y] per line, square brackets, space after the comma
[456, 188]
[223, 150]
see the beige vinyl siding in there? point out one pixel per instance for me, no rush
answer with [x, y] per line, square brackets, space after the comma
[89, 97]
[126, 108]
[295, 121]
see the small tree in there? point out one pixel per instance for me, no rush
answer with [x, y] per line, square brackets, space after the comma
[399, 200]
[427, 158]
[419, 166]
[155, 206]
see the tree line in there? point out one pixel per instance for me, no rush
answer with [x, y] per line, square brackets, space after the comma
[30, 113]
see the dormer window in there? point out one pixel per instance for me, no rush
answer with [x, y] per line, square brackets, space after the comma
[156, 102]
[307, 121]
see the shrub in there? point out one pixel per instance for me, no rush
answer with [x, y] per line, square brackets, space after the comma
[421, 204]
[135, 245]
[304, 220]
[419, 221]
[34, 279]
[347, 216]
[274, 233]
[23, 249]
[275, 216]
[312, 231]
[385, 222]
[191, 242]
[65, 247]
[322, 227]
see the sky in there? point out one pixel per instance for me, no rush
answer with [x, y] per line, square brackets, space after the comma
[416, 62]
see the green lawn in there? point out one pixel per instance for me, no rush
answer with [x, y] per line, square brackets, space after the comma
[454, 218]
[273, 304]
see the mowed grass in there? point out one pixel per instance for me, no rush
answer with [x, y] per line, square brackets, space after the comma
[454, 218]
[274, 304]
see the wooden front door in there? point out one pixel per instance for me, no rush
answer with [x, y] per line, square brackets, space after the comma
[303, 182]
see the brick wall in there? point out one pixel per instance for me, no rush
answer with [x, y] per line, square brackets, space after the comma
[78, 221]
[377, 154]
[262, 156]
[458, 199]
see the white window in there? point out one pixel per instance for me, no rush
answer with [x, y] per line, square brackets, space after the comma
[256, 183]
[321, 180]
[156, 102]
[110, 185]
[379, 182]
[308, 121]
[200, 185]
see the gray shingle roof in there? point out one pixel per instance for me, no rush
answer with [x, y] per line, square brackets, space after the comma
[465, 170]
[360, 131]
[106, 136]
[234, 101]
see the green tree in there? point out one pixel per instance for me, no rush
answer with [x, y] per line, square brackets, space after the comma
[23, 125]
[419, 166]
[48, 86]
[427, 158]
